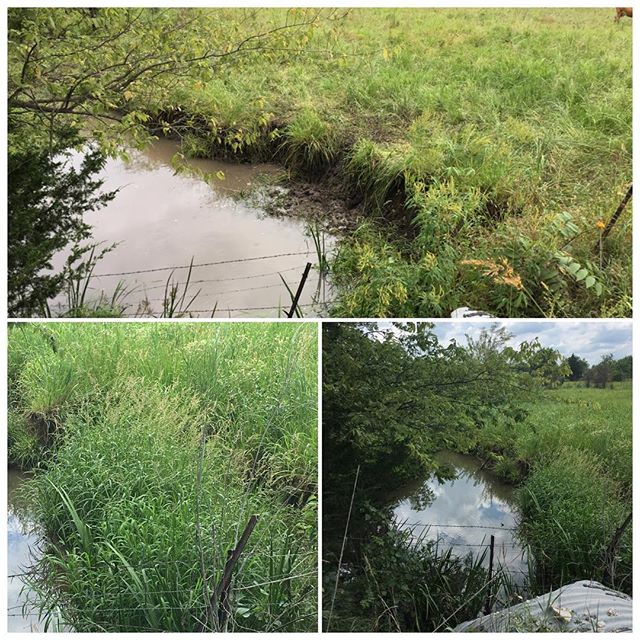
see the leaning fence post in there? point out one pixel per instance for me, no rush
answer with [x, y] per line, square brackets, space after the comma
[615, 216]
[296, 298]
[610, 554]
[220, 598]
[488, 603]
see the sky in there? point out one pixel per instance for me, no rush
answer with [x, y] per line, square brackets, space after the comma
[588, 339]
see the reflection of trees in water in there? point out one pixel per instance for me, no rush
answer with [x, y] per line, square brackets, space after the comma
[19, 499]
[421, 499]
[465, 467]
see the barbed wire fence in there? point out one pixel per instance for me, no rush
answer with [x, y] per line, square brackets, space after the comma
[517, 566]
[168, 283]
[215, 612]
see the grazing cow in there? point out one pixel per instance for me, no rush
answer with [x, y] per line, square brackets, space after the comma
[623, 11]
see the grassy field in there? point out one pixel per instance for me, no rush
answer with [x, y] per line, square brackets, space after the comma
[151, 448]
[572, 460]
[596, 421]
[486, 147]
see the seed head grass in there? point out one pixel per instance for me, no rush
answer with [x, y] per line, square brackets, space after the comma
[167, 439]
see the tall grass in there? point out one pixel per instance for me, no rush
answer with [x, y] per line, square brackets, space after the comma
[527, 113]
[571, 510]
[400, 584]
[572, 459]
[169, 438]
[597, 421]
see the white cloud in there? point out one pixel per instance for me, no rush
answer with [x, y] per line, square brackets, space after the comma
[589, 339]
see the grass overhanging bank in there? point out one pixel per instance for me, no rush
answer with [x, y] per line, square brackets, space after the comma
[485, 149]
[151, 448]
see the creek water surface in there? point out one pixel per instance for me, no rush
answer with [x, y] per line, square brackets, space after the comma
[21, 552]
[463, 513]
[161, 218]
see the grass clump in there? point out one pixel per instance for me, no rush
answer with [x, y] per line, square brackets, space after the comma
[172, 438]
[571, 510]
[310, 143]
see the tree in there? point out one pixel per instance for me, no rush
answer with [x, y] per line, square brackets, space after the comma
[47, 200]
[544, 365]
[623, 369]
[393, 397]
[601, 374]
[578, 367]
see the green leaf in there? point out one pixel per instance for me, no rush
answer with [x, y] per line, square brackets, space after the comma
[573, 268]
[582, 274]
[589, 281]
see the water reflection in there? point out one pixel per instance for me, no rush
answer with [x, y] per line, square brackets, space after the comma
[464, 512]
[161, 218]
[22, 544]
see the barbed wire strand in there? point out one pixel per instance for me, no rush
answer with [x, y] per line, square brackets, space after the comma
[202, 264]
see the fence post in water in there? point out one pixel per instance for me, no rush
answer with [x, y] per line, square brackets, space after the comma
[488, 603]
[296, 298]
[220, 597]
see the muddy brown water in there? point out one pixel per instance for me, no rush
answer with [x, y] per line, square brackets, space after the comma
[463, 513]
[161, 218]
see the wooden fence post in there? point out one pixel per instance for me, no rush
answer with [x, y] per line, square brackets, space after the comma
[296, 298]
[614, 217]
[609, 572]
[488, 604]
[219, 604]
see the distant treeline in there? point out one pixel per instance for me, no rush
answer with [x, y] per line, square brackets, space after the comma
[599, 375]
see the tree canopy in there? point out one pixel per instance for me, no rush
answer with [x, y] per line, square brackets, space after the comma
[106, 68]
[393, 397]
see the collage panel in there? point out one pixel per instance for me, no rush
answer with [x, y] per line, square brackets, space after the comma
[162, 477]
[346, 162]
[477, 476]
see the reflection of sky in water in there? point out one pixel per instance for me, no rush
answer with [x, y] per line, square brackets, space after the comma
[22, 551]
[19, 558]
[471, 500]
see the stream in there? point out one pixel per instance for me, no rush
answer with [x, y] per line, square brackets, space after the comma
[161, 218]
[463, 513]
[22, 545]
[23, 549]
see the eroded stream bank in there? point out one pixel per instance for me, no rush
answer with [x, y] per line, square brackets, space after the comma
[162, 218]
